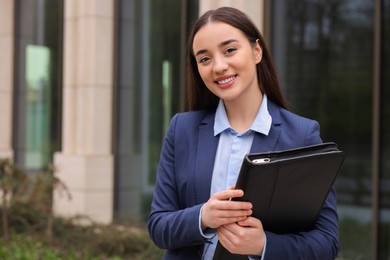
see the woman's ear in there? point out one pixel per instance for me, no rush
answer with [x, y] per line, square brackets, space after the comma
[258, 52]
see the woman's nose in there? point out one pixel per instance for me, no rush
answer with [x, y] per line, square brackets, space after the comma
[220, 64]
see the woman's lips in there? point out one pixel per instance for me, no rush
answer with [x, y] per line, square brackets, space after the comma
[226, 82]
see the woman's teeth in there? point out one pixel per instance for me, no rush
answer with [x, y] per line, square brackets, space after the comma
[226, 80]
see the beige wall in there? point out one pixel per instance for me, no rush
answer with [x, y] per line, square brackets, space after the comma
[6, 76]
[85, 163]
[254, 8]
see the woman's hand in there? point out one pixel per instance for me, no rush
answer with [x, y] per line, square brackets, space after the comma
[220, 210]
[245, 237]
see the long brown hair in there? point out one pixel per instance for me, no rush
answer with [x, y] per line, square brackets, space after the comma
[198, 95]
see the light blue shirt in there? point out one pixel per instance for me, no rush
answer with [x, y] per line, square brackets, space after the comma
[232, 148]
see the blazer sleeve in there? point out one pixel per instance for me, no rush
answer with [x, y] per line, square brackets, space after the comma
[321, 242]
[170, 225]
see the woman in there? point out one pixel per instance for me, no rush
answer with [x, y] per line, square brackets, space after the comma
[236, 107]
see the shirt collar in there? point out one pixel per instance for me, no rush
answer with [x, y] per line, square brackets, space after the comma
[261, 124]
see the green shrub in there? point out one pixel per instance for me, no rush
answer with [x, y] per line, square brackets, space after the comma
[72, 241]
[22, 247]
[30, 231]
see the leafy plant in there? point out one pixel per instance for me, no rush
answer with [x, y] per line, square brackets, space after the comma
[40, 195]
[31, 231]
[11, 178]
[35, 190]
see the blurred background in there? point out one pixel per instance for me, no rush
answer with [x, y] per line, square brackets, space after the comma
[90, 86]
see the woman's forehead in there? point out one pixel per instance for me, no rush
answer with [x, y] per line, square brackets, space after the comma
[215, 33]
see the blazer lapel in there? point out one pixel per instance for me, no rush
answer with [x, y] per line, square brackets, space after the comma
[205, 157]
[207, 149]
[266, 143]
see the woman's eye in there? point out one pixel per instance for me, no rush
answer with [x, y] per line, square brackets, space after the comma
[230, 50]
[204, 60]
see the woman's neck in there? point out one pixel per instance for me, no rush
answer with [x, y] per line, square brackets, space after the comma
[242, 112]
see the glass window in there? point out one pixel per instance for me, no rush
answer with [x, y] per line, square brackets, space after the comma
[38, 82]
[324, 56]
[384, 195]
[152, 36]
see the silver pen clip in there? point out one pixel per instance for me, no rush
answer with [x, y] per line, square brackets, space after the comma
[262, 160]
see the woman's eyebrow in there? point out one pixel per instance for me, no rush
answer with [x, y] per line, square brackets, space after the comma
[200, 52]
[222, 44]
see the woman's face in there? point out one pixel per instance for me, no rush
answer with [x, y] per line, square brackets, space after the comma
[227, 61]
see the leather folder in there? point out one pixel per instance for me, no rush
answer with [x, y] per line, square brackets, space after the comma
[287, 188]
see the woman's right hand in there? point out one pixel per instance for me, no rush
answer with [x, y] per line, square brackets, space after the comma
[220, 210]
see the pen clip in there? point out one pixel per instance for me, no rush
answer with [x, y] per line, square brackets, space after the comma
[260, 161]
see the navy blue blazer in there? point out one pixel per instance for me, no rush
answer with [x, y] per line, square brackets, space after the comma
[184, 180]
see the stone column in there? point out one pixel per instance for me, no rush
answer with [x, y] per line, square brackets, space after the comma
[85, 163]
[6, 76]
[254, 8]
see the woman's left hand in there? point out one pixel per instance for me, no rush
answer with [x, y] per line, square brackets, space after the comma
[245, 237]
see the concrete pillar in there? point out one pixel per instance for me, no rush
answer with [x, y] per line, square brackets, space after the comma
[254, 8]
[85, 163]
[6, 76]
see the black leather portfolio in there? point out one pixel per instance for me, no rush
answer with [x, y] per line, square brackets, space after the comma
[287, 188]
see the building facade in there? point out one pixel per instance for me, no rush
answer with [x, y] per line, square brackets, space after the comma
[91, 86]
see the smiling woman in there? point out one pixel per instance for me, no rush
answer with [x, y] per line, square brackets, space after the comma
[198, 98]
[235, 107]
[227, 65]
